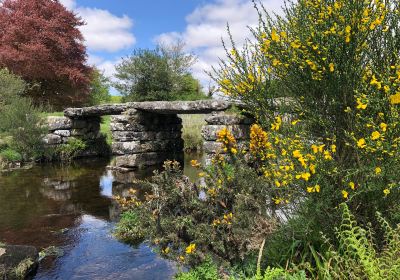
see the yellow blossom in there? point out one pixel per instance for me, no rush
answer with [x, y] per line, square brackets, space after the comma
[375, 135]
[378, 170]
[395, 99]
[331, 67]
[274, 36]
[194, 163]
[345, 194]
[191, 248]
[383, 126]
[352, 185]
[361, 143]
[386, 191]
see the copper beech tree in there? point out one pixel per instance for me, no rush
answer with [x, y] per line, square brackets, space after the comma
[40, 41]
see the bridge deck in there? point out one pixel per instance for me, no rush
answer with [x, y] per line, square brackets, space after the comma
[160, 107]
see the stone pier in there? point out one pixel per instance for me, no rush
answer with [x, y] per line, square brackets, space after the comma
[238, 125]
[63, 129]
[142, 138]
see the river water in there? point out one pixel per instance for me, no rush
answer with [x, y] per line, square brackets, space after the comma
[71, 208]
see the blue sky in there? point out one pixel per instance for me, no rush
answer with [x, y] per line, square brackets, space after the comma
[115, 27]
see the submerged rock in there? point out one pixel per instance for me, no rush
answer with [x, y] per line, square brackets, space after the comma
[17, 261]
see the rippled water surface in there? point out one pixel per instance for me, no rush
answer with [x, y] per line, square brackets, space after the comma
[71, 207]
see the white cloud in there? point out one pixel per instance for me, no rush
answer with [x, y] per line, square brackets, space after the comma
[69, 4]
[207, 24]
[103, 30]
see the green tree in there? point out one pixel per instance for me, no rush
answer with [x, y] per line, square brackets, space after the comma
[99, 89]
[160, 74]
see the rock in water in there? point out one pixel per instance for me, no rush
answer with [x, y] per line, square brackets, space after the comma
[17, 262]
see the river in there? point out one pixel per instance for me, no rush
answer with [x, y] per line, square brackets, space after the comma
[71, 207]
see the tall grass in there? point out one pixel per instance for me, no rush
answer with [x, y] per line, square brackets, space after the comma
[191, 132]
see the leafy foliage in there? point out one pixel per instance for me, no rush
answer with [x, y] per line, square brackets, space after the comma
[99, 89]
[160, 74]
[19, 118]
[68, 151]
[41, 42]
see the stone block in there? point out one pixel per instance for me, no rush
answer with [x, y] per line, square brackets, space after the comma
[63, 133]
[213, 147]
[52, 139]
[139, 160]
[134, 147]
[79, 131]
[59, 123]
[228, 119]
[239, 131]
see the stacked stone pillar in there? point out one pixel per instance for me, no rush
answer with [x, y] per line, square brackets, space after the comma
[62, 129]
[238, 125]
[142, 138]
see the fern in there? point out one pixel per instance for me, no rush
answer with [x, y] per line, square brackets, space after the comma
[357, 256]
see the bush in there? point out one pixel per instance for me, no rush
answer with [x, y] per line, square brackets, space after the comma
[68, 151]
[128, 229]
[99, 89]
[10, 155]
[19, 118]
[336, 137]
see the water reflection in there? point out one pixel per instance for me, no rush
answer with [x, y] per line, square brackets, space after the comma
[38, 205]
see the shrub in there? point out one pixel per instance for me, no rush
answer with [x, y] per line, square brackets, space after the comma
[10, 155]
[68, 151]
[129, 229]
[206, 271]
[99, 89]
[226, 217]
[19, 118]
[339, 64]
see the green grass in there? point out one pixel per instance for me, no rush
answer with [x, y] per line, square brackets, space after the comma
[191, 132]
[105, 128]
[50, 114]
[116, 99]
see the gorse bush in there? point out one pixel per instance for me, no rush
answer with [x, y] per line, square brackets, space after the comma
[337, 62]
[225, 217]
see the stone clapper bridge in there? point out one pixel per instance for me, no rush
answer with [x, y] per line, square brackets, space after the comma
[145, 133]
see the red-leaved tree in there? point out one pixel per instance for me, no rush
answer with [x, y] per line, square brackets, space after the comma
[40, 41]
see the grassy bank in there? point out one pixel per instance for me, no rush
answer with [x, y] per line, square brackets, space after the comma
[191, 132]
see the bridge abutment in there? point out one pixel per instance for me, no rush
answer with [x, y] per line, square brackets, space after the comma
[143, 139]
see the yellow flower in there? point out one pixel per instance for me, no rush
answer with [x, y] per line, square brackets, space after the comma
[296, 154]
[333, 148]
[386, 191]
[294, 122]
[191, 248]
[274, 36]
[234, 151]
[201, 174]
[375, 135]
[305, 176]
[166, 250]
[378, 170]
[395, 99]
[383, 126]
[181, 258]
[345, 194]
[361, 143]
[317, 188]
[331, 67]
[310, 189]
[352, 185]
[194, 163]
[312, 168]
